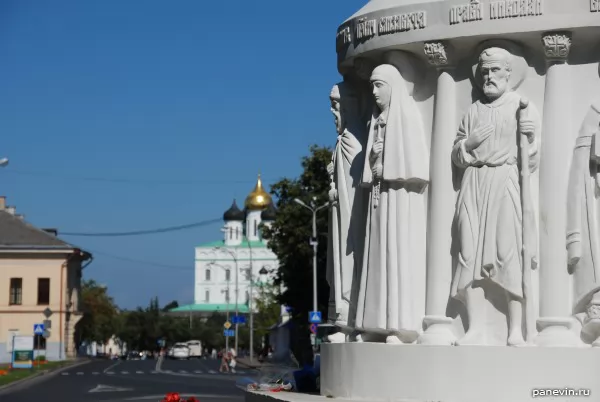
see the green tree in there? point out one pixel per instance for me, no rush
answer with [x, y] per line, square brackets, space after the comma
[268, 310]
[288, 238]
[100, 314]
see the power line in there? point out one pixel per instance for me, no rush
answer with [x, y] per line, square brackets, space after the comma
[128, 180]
[144, 232]
[127, 259]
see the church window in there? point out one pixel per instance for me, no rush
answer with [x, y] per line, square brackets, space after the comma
[207, 274]
[255, 228]
[207, 296]
[230, 233]
[237, 233]
[227, 275]
[227, 295]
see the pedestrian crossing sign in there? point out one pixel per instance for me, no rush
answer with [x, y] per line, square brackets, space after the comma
[314, 317]
[227, 325]
[38, 329]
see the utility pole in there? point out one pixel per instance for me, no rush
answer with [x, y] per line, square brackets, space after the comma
[237, 290]
[314, 242]
[251, 306]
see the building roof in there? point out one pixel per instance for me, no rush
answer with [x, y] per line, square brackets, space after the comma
[16, 233]
[207, 307]
[244, 244]
[258, 199]
[269, 213]
[234, 213]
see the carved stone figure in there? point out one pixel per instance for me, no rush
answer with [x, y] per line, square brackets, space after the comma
[391, 301]
[346, 218]
[489, 210]
[583, 224]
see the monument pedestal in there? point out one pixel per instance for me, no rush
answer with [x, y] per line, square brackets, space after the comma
[376, 371]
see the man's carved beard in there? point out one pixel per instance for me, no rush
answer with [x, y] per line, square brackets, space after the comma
[492, 90]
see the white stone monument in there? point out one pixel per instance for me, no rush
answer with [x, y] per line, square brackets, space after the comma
[472, 271]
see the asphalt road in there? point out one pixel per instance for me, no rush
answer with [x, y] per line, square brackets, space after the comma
[141, 380]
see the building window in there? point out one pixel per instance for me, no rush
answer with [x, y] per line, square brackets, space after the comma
[207, 274]
[227, 295]
[230, 233]
[237, 233]
[39, 342]
[16, 292]
[43, 295]
[207, 296]
[255, 228]
[227, 275]
[247, 297]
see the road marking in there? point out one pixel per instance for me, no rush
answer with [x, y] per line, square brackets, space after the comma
[95, 373]
[139, 372]
[212, 371]
[198, 371]
[107, 388]
[65, 373]
[79, 373]
[110, 372]
[106, 370]
[182, 371]
[124, 372]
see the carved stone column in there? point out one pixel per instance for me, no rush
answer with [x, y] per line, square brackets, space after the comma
[438, 327]
[555, 322]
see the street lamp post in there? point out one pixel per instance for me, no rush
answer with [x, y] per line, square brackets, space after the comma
[250, 301]
[3, 162]
[237, 311]
[226, 301]
[314, 242]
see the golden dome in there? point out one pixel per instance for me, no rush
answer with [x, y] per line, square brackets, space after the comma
[258, 199]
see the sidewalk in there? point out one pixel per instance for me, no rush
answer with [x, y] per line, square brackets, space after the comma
[255, 364]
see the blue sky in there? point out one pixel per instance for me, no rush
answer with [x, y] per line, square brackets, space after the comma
[128, 115]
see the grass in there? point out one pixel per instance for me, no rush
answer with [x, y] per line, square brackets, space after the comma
[19, 374]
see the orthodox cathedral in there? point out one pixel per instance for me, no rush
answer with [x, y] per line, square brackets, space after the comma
[228, 270]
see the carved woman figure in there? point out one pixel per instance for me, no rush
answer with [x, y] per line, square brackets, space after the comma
[391, 301]
[583, 223]
[344, 254]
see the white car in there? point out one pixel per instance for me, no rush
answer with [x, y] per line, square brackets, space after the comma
[180, 351]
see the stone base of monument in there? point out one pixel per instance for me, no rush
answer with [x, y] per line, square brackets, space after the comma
[373, 371]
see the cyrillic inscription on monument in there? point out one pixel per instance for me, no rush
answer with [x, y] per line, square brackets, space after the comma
[365, 28]
[402, 22]
[466, 12]
[343, 37]
[594, 6]
[515, 8]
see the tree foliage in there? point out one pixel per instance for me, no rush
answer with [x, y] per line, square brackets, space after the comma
[100, 314]
[289, 239]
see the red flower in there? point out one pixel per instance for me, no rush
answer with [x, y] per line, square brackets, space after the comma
[172, 397]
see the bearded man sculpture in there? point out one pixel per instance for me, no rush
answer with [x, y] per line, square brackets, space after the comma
[346, 215]
[489, 210]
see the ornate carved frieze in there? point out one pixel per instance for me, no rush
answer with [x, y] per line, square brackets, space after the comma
[557, 46]
[437, 53]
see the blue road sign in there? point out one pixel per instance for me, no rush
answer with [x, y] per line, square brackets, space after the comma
[314, 317]
[238, 319]
[313, 328]
[38, 329]
[228, 332]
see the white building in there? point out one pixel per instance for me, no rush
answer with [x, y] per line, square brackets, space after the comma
[225, 268]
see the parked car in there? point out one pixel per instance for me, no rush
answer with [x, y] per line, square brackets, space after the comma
[195, 349]
[181, 351]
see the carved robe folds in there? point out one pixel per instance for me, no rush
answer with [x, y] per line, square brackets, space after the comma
[583, 209]
[488, 210]
[391, 300]
[345, 236]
